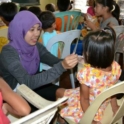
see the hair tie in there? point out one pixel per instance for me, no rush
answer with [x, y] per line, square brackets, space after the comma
[113, 8]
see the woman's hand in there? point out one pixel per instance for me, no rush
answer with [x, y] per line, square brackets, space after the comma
[70, 61]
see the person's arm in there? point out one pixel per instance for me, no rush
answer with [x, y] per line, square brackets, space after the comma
[11, 62]
[91, 24]
[15, 104]
[46, 57]
[114, 105]
[84, 97]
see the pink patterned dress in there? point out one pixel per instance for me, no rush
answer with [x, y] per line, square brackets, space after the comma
[97, 80]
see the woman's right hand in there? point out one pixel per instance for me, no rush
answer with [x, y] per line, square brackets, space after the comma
[70, 61]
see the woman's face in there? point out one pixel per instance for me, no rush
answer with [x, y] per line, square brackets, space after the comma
[33, 34]
[99, 9]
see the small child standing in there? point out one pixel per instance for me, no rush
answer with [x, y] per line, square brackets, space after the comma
[99, 72]
[48, 24]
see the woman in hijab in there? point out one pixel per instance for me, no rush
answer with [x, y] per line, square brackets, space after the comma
[20, 59]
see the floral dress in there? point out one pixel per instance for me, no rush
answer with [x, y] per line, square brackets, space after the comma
[97, 80]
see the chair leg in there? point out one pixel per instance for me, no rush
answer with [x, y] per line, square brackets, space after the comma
[72, 79]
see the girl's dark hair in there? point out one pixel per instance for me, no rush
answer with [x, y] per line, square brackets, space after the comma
[50, 7]
[99, 49]
[110, 4]
[47, 18]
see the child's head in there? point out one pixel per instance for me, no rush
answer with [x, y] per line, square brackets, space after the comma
[48, 20]
[107, 6]
[99, 48]
[36, 10]
[7, 12]
[63, 5]
[23, 8]
[50, 7]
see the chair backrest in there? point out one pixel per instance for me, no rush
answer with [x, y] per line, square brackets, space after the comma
[118, 29]
[69, 19]
[3, 37]
[67, 38]
[92, 109]
[119, 49]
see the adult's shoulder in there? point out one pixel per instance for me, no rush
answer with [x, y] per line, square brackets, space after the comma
[8, 50]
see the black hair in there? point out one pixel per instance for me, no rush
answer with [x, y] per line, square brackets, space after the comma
[36, 10]
[23, 8]
[99, 49]
[50, 7]
[63, 5]
[47, 18]
[8, 11]
[111, 4]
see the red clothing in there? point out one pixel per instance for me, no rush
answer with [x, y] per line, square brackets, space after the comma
[90, 11]
[3, 118]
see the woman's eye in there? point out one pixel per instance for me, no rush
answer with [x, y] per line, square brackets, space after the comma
[31, 29]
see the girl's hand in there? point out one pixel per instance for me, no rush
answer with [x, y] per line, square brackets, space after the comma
[4, 108]
[70, 61]
[90, 23]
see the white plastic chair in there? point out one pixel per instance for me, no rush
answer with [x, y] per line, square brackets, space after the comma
[47, 108]
[67, 38]
[118, 29]
[108, 114]
[41, 116]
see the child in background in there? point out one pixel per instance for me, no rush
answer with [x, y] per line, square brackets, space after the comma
[23, 8]
[36, 10]
[14, 104]
[90, 10]
[108, 10]
[97, 74]
[7, 12]
[48, 25]
[50, 7]
[62, 5]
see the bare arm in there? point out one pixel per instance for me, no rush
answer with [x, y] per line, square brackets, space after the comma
[84, 97]
[84, 100]
[114, 104]
[15, 104]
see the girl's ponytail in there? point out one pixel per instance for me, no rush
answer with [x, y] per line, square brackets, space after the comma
[116, 10]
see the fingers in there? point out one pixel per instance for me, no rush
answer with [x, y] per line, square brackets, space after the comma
[70, 61]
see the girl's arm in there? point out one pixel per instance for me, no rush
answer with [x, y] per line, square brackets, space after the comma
[84, 100]
[84, 97]
[15, 104]
[114, 105]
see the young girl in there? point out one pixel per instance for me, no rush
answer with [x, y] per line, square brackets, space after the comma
[14, 104]
[99, 72]
[108, 10]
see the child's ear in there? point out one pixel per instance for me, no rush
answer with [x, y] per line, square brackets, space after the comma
[54, 25]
